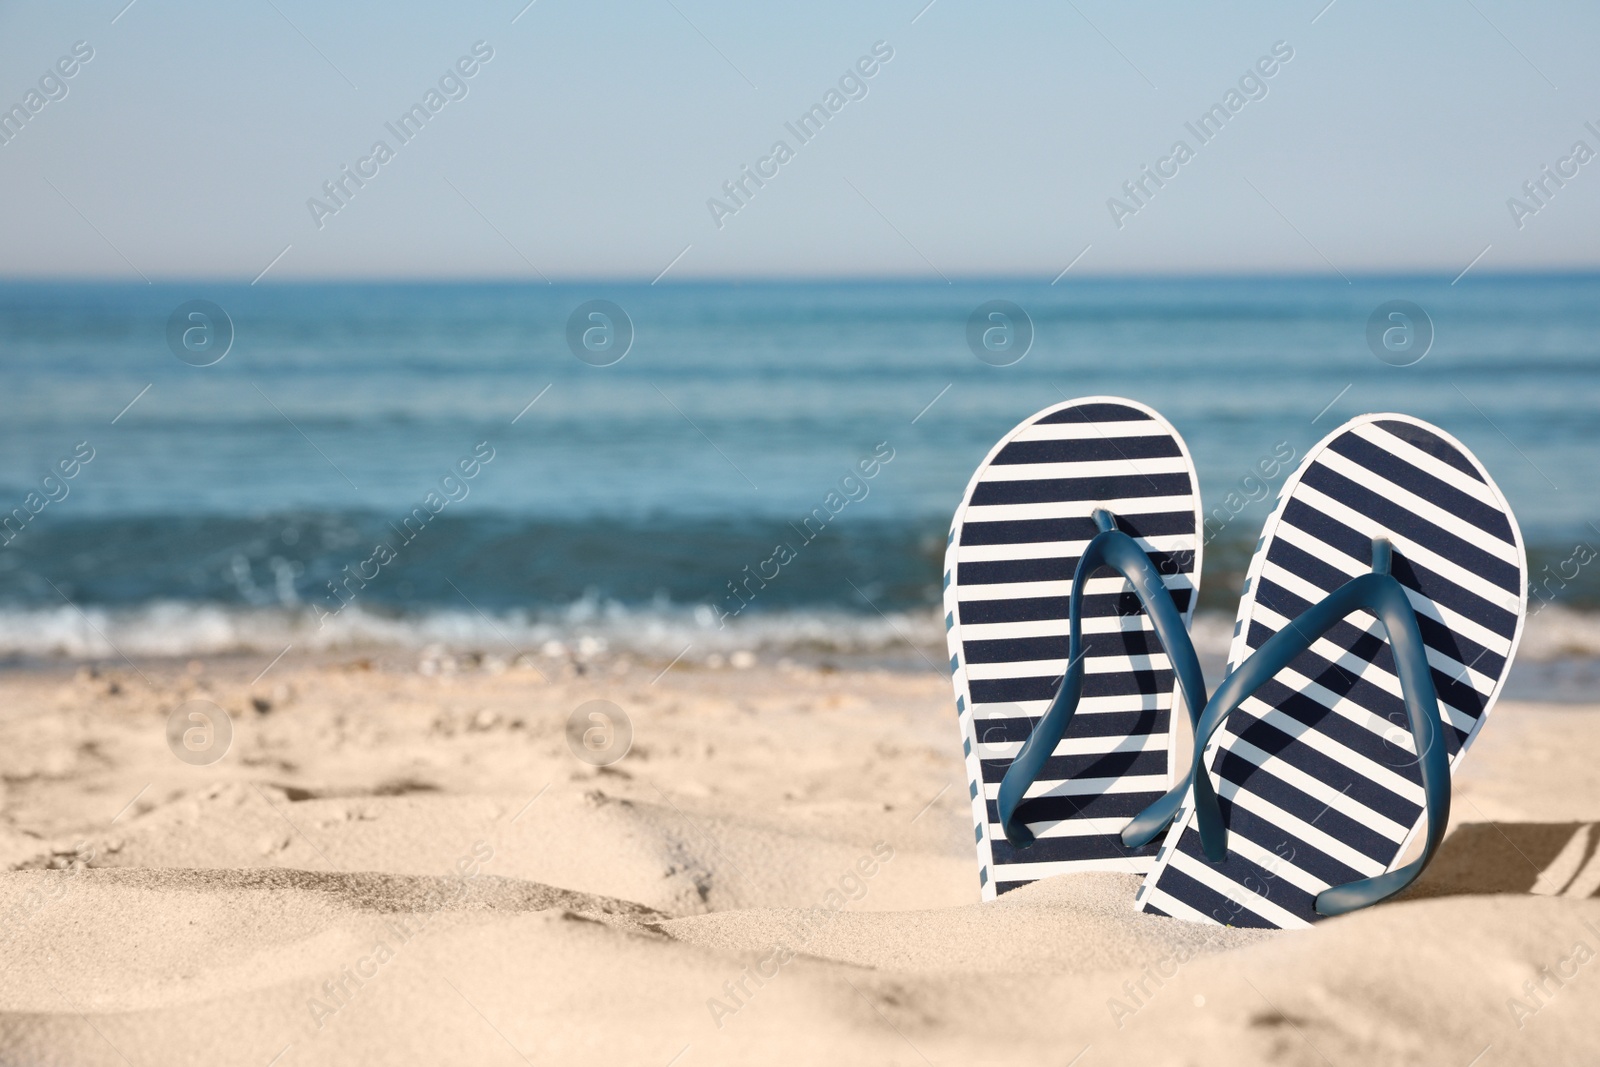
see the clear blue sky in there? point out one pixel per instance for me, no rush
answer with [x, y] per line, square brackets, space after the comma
[589, 145]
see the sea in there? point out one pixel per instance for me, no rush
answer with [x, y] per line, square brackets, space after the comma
[727, 472]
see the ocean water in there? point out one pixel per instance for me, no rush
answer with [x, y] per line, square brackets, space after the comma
[217, 507]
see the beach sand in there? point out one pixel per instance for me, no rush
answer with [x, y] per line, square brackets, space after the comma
[392, 867]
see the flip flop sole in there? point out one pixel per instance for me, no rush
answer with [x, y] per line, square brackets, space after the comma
[1316, 772]
[1014, 545]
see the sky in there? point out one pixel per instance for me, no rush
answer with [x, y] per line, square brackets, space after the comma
[595, 139]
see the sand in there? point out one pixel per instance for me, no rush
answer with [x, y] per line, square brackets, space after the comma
[392, 867]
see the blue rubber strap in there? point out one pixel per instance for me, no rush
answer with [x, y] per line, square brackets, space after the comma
[1383, 596]
[1115, 549]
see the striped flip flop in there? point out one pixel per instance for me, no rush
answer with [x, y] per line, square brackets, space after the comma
[1028, 515]
[1338, 734]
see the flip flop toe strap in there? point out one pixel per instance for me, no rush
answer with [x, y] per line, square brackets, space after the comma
[1115, 549]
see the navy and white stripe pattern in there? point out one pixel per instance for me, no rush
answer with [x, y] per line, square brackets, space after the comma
[1316, 773]
[1014, 546]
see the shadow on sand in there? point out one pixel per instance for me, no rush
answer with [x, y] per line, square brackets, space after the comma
[1541, 858]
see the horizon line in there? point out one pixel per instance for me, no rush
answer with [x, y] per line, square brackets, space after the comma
[1349, 277]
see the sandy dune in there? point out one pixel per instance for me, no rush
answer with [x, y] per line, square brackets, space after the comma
[396, 868]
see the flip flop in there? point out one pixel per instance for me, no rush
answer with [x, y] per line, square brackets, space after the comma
[1011, 580]
[1336, 746]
